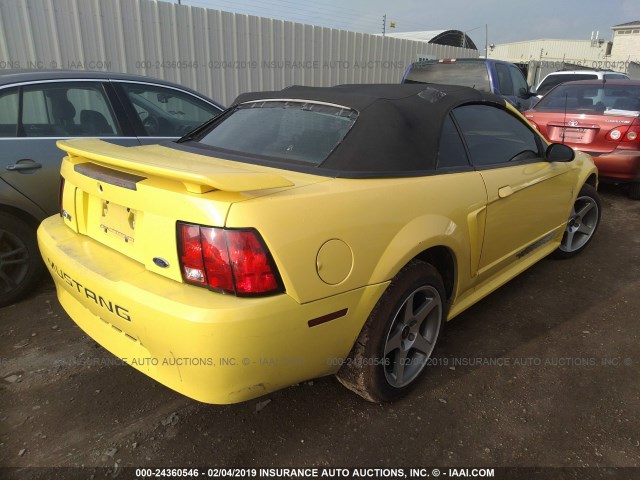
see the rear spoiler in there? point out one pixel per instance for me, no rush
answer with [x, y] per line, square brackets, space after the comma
[198, 173]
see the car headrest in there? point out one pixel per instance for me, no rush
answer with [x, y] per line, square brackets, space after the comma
[62, 109]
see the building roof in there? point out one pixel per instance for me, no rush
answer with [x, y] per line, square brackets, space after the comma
[453, 38]
[628, 24]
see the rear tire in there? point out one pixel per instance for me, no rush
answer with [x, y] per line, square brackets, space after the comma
[582, 224]
[398, 338]
[634, 191]
[20, 263]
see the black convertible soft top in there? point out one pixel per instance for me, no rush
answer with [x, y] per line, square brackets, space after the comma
[397, 130]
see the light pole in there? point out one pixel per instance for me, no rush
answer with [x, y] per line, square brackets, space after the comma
[486, 40]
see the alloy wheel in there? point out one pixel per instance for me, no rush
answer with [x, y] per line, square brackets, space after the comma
[412, 336]
[14, 261]
[581, 225]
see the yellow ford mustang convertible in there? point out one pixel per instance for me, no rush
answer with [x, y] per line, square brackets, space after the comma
[308, 232]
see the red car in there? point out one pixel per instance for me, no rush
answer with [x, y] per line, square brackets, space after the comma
[601, 118]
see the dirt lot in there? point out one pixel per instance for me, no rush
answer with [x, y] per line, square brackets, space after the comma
[563, 389]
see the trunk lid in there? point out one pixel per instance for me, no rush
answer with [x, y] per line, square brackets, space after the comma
[130, 198]
[586, 132]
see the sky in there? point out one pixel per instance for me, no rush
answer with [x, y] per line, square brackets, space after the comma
[507, 20]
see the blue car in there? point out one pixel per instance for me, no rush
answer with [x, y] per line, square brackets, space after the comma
[494, 76]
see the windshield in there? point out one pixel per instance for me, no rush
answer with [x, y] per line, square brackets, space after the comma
[599, 98]
[467, 74]
[294, 131]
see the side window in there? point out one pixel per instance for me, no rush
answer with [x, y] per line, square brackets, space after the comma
[494, 136]
[166, 112]
[8, 112]
[504, 79]
[67, 110]
[451, 152]
[520, 86]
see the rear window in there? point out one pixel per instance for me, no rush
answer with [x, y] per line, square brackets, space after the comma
[606, 99]
[467, 74]
[553, 80]
[615, 76]
[296, 132]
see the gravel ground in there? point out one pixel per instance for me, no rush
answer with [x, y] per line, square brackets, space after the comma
[544, 373]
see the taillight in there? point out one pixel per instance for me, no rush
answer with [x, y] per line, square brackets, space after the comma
[229, 261]
[614, 134]
[624, 134]
[60, 194]
[216, 259]
[632, 134]
[253, 269]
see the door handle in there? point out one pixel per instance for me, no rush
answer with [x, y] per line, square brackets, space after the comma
[505, 191]
[21, 167]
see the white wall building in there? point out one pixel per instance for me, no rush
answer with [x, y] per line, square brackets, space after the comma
[543, 56]
[626, 42]
[551, 50]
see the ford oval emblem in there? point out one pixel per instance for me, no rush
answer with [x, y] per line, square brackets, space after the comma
[161, 262]
[573, 123]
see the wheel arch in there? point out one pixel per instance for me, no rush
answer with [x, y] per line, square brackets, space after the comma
[592, 180]
[21, 214]
[443, 260]
[588, 172]
[442, 245]
[14, 203]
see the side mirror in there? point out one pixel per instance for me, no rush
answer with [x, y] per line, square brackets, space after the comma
[558, 152]
[524, 93]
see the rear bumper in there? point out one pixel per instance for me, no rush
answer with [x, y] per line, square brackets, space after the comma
[211, 347]
[620, 165]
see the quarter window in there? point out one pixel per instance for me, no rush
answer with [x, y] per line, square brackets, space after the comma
[166, 112]
[8, 112]
[451, 152]
[494, 136]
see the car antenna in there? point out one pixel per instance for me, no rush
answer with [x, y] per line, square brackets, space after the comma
[564, 120]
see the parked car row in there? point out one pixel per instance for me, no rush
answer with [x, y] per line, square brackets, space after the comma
[39, 107]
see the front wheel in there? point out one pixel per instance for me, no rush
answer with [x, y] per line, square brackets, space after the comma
[634, 191]
[582, 224]
[396, 343]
